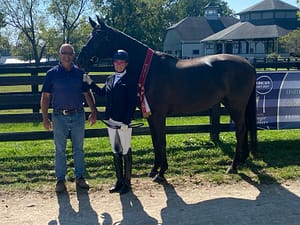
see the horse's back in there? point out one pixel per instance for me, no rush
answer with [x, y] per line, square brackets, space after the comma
[223, 69]
[197, 84]
[216, 62]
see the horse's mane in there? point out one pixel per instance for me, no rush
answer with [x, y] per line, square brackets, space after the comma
[162, 55]
[159, 53]
[126, 35]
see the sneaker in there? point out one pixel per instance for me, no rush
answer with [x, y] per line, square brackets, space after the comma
[81, 182]
[60, 186]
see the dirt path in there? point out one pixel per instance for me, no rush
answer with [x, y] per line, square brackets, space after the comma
[189, 204]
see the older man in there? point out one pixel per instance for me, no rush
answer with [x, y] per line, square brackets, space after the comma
[63, 86]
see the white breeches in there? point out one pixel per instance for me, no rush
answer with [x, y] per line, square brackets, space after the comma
[120, 139]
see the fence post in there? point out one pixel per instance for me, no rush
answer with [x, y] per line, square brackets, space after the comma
[35, 90]
[214, 120]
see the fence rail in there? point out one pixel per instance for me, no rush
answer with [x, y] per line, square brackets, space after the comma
[276, 62]
[29, 104]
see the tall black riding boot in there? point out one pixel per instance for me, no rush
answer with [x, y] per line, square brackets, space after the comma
[127, 173]
[118, 162]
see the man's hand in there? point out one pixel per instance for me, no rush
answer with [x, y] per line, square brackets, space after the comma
[47, 124]
[92, 118]
[87, 79]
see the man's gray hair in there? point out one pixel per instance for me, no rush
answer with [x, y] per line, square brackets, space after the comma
[65, 45]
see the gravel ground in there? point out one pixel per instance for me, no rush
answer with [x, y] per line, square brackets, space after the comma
[242, 203]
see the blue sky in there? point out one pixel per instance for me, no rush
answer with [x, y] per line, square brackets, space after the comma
[239, 5]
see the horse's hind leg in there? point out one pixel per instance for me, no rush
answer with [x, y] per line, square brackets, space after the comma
[157, 163]
[240, 154]
[158, 135]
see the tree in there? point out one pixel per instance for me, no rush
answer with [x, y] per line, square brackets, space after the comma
[2, 21]
[291, 42]
[155, 20]
[81, 34]
[4, 43]
[53, 37]
[147, 20]
[4, 46]
[25, 17]
[184, 8]
[67, 14]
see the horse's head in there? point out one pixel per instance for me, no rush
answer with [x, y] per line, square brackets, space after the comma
[97, 47]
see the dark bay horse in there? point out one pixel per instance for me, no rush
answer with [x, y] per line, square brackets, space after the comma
[182, 86]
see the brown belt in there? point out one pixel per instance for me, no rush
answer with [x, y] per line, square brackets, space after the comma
[67, 111]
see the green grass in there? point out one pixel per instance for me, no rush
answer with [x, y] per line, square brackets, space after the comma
[30, 164]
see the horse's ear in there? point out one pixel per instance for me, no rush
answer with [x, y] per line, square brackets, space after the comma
[101, 23]
[92, 22]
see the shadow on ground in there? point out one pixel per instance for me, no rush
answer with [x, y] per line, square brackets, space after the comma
[273, 205]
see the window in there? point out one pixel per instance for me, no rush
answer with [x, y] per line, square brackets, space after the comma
[210, 45]
[245, 17]
[280, 14]
[196, 52]
[291, 15]
[267, 15]
[255, 16]
[211, 12]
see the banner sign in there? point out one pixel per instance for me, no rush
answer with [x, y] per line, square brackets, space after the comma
[278, 100]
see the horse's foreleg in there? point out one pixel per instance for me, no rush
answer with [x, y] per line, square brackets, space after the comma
[157, 128]
[241, 148]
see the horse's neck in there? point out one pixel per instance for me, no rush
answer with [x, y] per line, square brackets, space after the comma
[137, 54]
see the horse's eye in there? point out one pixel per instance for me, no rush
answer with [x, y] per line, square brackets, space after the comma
[96, 32]
[94, 59]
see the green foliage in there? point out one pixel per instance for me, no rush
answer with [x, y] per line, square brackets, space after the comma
[80, 35]
[54, 40]
[2, 20]
[67, 15]
[43, 29]
[147, 20]
[4, 46]
[273, 55]
[291, 42]
[26, 19]
[184, 8]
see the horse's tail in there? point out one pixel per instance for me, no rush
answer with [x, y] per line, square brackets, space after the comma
[251, 121]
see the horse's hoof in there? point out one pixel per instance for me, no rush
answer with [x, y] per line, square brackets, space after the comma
[152, 174]
[159, 179]
[231, 170]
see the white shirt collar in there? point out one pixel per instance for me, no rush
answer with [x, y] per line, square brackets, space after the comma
[119, 75]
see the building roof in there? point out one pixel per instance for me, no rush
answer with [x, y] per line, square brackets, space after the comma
[259, 29]
[246, 30]
[196, 28]
[269, 5]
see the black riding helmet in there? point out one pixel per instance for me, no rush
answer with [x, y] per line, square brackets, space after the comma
[121, 55]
